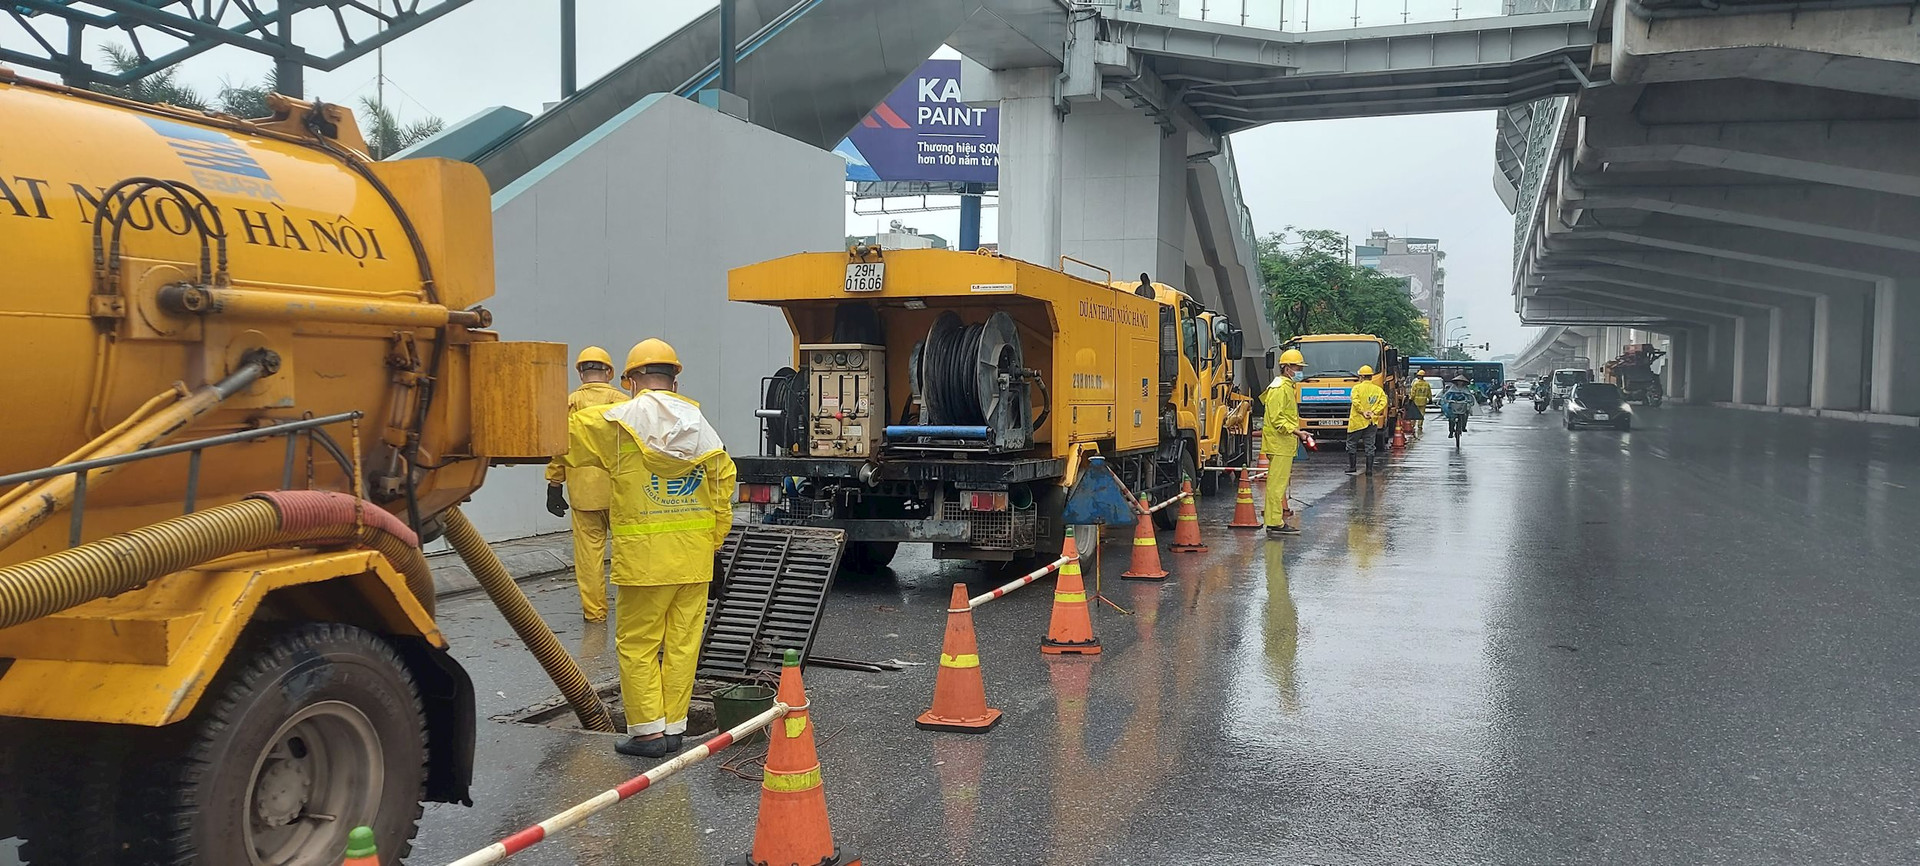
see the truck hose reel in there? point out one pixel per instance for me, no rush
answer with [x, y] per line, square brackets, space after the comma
[976, 375]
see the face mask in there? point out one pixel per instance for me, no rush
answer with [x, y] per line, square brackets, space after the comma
[1297, 375]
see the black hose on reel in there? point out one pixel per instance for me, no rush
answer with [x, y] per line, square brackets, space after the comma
[949, 372]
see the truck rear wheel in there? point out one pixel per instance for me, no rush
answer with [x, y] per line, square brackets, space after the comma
[315, 732]
[309, 732]
[866, 557]
[1166, 517]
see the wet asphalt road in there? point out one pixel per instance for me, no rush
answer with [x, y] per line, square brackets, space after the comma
[1692, 643]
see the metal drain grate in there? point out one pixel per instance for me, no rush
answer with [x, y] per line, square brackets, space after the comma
[775, 585]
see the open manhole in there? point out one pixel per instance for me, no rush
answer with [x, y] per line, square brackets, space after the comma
[555, 713]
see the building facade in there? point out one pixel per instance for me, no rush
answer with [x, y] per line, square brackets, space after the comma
[1418, 264]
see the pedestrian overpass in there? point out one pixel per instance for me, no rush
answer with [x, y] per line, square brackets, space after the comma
[1115, 120]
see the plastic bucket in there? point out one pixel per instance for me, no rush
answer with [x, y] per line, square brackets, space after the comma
[740, 702]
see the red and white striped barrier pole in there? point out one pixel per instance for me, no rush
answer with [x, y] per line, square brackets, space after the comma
[527, 838]
[1031, 576]
[1162, 506]
[1254, 475]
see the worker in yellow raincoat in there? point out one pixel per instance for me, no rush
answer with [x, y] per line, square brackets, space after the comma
[672, 505]
[1421, 393]
[588, 489]
[1365, 421]
[1280, 439]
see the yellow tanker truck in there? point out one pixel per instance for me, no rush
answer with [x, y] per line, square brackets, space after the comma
[953, 398]
[245, 377]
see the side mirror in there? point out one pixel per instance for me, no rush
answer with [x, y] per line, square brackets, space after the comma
[1271, 355]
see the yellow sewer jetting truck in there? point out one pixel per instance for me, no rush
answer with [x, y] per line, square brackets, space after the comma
[245, 378]
[954, 398]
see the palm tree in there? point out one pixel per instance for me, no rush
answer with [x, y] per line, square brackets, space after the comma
[158, 87]
[387, 136]
[249, 100]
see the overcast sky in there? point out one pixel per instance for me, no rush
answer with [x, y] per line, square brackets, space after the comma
[1419, 176]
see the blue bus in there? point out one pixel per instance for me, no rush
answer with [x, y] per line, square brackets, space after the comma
[1485, 375]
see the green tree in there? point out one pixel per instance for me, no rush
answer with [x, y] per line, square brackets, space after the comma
[386, 135]
[159, 87]
[1313, 287]
[249, 100]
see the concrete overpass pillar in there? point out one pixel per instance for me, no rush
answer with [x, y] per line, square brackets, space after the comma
[1752, 339]
[1718, 378]
[1680, 382]
[1030, 165]
[1840, 340]
[1896, 364]
[1790, 356]
[1123, 194]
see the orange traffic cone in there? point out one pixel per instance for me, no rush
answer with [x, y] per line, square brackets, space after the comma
[1186, 527]
[1146, 548]
[959, 694]
[1400, 435]
[792, 829]
[361, 850]
[1260, 467]
[1244, 517]
[1071, 629]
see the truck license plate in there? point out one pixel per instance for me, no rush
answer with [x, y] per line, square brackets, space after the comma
[866, 276]
[1600, 416]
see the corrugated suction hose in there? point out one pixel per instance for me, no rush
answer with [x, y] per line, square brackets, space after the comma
[526, 622]
[119, 563]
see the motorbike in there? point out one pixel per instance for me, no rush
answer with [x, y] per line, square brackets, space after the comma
[1648, 392]
[1540, 401]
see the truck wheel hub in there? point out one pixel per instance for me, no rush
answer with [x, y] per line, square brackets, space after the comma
[319, 776]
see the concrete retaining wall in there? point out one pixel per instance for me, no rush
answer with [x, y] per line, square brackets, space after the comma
[629, 234]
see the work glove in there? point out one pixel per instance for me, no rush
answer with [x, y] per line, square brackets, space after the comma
[556, 501]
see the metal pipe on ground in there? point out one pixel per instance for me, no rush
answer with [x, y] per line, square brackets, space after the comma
[519, 613]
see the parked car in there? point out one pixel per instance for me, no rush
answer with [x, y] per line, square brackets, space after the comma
[1438, 385]
[1523, 390]
[1598, 404]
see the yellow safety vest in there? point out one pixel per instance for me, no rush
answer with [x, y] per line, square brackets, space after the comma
[1282, 400]
[670, 512]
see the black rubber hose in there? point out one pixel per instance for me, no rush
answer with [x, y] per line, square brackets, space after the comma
[950, 368]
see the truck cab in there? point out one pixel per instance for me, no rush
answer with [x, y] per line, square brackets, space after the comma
[1333, 365]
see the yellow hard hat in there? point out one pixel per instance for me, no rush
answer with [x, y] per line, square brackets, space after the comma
[1293, 357]
[649, 352]
[1423, 372]
[1366, 370]
[593, 355]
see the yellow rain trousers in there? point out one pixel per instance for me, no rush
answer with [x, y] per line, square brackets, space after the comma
[1278, 442]
[672, 505]
[589, 490]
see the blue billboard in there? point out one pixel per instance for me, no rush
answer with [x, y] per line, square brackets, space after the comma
[924, 132]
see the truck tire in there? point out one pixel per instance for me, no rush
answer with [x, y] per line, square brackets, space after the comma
[867, 557]
[1166, 517]
[314, 730]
